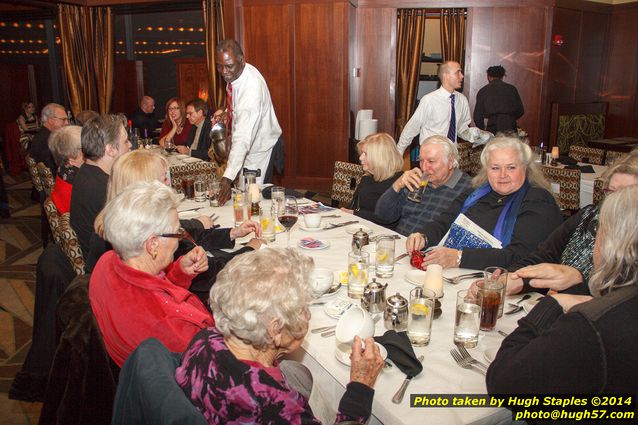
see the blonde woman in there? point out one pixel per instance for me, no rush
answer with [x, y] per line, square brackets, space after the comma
[382, 165]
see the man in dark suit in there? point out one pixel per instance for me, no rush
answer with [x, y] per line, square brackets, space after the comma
[198, 142]
[498, 102]
[53, 117]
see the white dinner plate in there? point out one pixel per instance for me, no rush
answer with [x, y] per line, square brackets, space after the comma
[191, 159]
[335, 308]
[490, 354]
[530, 303]
[345, 357]
[320, 245]
[187, 215]
[415, 277]
[354, 228]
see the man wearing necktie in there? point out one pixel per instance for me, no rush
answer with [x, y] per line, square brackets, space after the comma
[444, 112]
[251, 117]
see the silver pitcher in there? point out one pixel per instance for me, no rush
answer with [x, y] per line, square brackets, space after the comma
[359, 240]
[220, 145]
[373, 300]
[395, 315]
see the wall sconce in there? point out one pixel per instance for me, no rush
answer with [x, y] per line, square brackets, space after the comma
[557, 40]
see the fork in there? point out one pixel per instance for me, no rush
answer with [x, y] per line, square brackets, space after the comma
[464, 362]
[457, 279]
[466, 355]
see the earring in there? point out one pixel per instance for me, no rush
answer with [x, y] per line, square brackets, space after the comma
[154, 254]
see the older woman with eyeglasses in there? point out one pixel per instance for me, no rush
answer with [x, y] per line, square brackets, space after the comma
[136, 290]
[576, 344]
[563, 262]
[511, 203]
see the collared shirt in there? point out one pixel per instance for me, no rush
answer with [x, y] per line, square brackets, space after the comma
[255, 127]
[197, 133]
[432, 117]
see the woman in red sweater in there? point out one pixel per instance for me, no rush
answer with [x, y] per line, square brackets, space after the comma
[67, 151]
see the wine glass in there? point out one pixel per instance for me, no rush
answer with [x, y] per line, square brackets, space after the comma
[288, 214]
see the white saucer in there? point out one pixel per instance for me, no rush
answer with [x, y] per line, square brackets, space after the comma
[490, 354]
[311, 229]
[345, 357]
[323, 245]
[354, 228]
[330, 293]
[335, 308]
[187, 215]
[530, 303]
[415, 277]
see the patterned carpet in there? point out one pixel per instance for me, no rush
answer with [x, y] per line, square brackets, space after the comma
[20, 247]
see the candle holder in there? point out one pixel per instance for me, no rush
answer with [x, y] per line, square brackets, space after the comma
[438, 310]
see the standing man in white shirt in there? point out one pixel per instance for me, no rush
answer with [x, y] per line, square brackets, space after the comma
[444, 112]
[251, 116]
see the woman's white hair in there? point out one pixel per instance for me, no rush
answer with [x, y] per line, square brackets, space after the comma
[532, 172]
[258, 287]
[137, 213]
[617, 240]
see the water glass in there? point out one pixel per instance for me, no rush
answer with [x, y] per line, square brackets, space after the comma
[417, 194]
[497, 274]
[468, 319]
[539, 155]
[268, 221]
[384, 256]
[240, 207]
[278, 195]
[250, 177]
[200, 190]
[188, 186]
[489, 299]
[420, 314]
[213, 192]
[357, 273]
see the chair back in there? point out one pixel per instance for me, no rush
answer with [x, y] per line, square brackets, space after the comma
[345, 180]
[599, 194]
[65, 236]
[83, 379]
[202, 169]
[576, 123]
[586, 154]
[565, 186]
[34, 173]
[46, 177]
[612, 156]
[147, 393]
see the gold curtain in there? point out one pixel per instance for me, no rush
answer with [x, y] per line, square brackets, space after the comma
[214, 30]
[453, 35]
[87, 39]
[410, 32]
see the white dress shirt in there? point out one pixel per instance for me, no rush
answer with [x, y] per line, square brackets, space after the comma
[197, 133]
[432, 117]
[255, 128]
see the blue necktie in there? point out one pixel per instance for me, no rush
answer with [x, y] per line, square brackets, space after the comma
[451, 133]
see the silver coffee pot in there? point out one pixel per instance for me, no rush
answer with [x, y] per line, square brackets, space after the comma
[359, 240]
[395, 315]
[373, 299]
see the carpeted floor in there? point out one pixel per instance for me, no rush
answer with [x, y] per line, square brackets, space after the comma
[20, 247]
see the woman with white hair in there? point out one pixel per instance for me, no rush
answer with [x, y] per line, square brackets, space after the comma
[382, 165]
[576, 344]
[66, 148]
[511, 202]
[136, 290]
[231, 372]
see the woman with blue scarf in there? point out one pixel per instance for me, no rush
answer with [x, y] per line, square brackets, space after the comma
[511, 202]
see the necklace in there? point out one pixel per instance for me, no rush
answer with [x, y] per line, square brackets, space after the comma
[500, 200]
[179, 129]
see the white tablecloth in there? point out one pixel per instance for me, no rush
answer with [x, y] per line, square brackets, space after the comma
[440, 375]
[587, 184]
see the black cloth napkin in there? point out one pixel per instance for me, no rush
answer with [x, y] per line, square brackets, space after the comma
[266, 193]
[400, 352]
[567, 160]
[587, 169]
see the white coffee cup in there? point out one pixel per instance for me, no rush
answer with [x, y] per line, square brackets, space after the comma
[321, 280]
[355, 321]
[312, 221]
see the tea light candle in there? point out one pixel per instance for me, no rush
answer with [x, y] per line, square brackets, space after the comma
[253, 192]
[434, 279]
[555, 152]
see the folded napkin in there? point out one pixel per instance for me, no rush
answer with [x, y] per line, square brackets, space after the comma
[400, 352]
[587, 169]
[311, 243]
[267, 193]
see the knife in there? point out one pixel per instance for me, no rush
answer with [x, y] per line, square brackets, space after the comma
[400, 257]
[335, 225]
[398, 397]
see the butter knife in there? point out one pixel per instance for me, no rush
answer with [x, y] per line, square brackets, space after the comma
[398, 397]
[400, 257]
[335, 225]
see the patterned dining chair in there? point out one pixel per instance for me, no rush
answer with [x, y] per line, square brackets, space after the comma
[612, 156]
[65, 236]
[46, 178]
[565, 186]
[585, 154]
[599, 194]
[475, 160]
[33, 172]
[345, 180]
[53, 216]
[465, 150]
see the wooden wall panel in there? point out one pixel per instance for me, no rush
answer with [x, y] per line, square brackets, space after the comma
[15, 90]
[620, 85]
[192, 78]
[125, 98]
[592, 55]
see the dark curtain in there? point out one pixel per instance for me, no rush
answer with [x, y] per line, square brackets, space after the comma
[87, 39]
[410, 32]
[214, 29]
[453, 35]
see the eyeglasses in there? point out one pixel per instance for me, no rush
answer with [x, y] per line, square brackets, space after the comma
[173, 108]
[61, 118]
[608, 191]
[179, 235]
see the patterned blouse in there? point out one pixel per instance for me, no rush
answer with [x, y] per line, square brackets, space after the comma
[229, 391]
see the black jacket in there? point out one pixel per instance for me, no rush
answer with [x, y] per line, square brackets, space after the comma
[204, 141]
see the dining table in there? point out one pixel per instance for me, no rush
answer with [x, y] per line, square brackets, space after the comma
[183, 166]
[440, 375]
[587, 183]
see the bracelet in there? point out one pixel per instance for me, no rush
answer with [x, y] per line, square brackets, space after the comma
[458, 258]
[426, 240]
